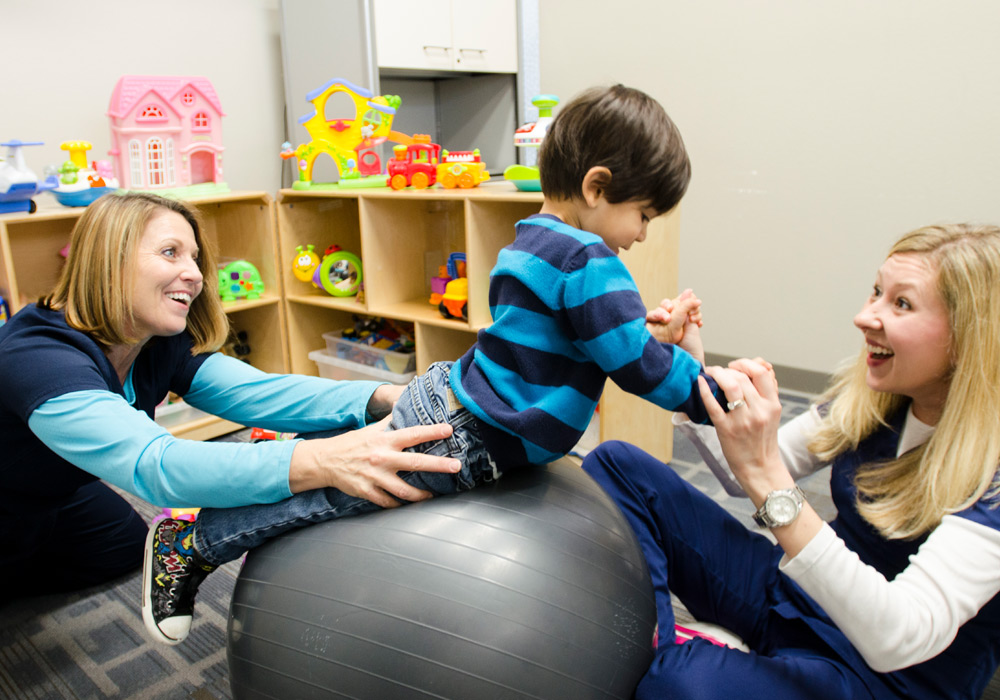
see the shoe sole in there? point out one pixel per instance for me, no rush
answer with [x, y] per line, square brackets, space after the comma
[147, 599]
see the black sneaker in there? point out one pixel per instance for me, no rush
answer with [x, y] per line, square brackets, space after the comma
[170, 580]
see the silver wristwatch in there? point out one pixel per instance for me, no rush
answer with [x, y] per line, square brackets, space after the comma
[781, 507]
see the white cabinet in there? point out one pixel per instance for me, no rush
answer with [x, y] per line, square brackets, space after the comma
[447, 35]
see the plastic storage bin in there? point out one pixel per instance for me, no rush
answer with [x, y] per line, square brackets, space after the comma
[178, 413]
[359, 353]
[332, 367]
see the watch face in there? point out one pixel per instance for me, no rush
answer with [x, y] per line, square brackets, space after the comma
[782, 508]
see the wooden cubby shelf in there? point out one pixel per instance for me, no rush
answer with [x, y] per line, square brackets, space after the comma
[401, 237]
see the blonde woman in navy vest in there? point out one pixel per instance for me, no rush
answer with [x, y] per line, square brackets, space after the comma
[896, 597]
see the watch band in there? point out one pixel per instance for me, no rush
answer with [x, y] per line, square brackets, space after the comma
[788, 500]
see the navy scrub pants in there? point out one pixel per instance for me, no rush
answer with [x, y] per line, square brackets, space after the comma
[724, 574]
[94, 537]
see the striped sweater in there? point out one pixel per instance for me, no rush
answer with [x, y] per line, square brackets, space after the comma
[566, 316]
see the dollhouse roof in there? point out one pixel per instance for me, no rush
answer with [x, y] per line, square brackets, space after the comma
[131, 88]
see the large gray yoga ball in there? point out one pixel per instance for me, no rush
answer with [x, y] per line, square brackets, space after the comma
[534, 587]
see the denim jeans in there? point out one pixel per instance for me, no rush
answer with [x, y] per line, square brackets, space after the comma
[223, 534]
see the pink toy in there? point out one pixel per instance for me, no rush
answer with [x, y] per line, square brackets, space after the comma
[166, 132]
[103, 168]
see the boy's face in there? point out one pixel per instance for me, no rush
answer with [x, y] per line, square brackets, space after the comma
[619, 225]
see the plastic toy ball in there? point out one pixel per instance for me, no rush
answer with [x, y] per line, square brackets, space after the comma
[305, 263]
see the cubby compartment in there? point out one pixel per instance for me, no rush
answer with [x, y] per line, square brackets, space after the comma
[438, 344]
[308, 320]
[424, 232]
[243, 229]
[329, 219]
[264, 335]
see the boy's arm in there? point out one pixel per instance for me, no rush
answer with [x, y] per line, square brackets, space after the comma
[609, 317]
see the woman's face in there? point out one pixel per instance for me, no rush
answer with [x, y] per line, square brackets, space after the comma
[905, 323]
[167, 276]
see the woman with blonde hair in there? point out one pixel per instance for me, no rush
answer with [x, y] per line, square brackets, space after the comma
[134, 315]
[897, 596]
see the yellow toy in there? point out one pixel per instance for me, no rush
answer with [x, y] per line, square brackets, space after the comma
[461, 169]
[305, 263]
[350, 141]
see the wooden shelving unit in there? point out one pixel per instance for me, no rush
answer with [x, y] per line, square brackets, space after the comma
[402, 238]
[240, 225]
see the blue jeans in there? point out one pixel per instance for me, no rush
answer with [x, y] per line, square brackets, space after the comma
[224, 534]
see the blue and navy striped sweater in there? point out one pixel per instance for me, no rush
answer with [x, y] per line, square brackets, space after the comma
[566, 316]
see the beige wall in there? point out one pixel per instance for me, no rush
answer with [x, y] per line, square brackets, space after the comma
[819, 131]
[63, 58]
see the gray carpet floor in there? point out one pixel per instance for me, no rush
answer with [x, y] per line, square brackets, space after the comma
[91, 645]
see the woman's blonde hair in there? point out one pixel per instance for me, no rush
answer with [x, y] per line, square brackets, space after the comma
[94, 288]
[906, 497]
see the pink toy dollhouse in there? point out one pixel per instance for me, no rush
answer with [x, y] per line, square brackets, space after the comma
[166, 132]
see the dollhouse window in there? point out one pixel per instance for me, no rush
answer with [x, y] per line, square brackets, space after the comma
[151, 113]
[187, 99]
[135, 163]
[154, 162]
[169, 155]
[199, 122]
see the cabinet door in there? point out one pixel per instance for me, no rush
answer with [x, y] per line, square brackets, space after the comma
[484, 36]
[414, 34]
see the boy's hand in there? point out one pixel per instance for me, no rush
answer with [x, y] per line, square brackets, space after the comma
[667, 322]
[677, 321]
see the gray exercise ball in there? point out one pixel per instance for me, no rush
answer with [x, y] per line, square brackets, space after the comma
[534, 587]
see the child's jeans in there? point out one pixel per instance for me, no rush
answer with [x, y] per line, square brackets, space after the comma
[223, 534]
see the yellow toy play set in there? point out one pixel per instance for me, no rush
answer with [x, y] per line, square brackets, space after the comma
[351, 142]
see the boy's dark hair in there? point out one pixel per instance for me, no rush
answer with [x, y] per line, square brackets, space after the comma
[624, 130]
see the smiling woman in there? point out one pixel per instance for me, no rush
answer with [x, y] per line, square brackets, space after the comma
[135, 314]
[899, 595]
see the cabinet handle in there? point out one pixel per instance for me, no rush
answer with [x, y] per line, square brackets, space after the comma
[445, 49]
[481, 52]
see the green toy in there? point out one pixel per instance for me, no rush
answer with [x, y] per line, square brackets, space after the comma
[240, 280]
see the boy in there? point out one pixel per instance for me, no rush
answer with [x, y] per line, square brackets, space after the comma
[567, 316]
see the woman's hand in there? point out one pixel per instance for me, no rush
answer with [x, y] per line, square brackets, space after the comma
[749, 431]
[365, 462]
[749, 437]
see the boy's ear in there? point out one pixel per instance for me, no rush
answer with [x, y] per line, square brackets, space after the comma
[595, 182]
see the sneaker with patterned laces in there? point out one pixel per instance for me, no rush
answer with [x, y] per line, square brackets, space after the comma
[171, 574]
